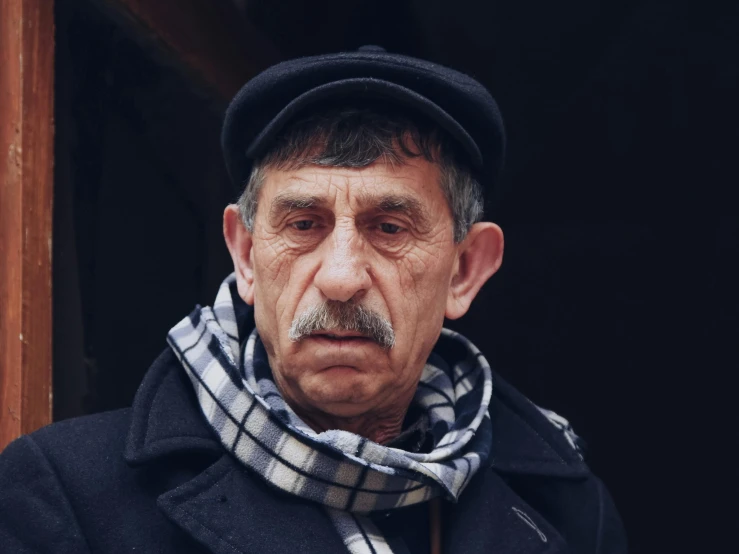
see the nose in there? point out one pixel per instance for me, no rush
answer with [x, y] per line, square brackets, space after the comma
[343, 274]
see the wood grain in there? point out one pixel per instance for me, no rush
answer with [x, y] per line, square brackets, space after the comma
[26, 194]
[209, 41]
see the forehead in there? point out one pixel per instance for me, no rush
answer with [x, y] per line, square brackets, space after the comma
[417, 179]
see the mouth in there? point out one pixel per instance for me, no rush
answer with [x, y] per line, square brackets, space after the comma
[340, 336]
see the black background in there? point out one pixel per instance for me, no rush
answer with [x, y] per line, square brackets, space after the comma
[616, 303]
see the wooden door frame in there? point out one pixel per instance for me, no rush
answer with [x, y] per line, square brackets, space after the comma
[207, 41]
[26, 202]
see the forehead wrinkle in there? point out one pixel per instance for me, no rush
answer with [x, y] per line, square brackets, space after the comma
[298, 195]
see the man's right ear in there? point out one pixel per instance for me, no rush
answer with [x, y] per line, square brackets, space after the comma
[239, 243]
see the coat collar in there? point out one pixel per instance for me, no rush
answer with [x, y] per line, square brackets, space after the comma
[228, 510]
[525, 441]
[221, 506]
[165, 417]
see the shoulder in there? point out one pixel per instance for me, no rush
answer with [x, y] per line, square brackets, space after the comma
[77, 437]
[538, 455]
[84, 438]
[44, 475]
[84, 449]
[530, 440]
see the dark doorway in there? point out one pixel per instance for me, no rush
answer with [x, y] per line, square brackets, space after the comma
[615, 305]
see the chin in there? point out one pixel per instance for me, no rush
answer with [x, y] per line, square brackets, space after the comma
[342, 410]
[344, 397]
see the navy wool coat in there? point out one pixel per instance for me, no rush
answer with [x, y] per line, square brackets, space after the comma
[153, 478]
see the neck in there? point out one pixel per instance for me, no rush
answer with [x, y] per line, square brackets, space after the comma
[377, 429]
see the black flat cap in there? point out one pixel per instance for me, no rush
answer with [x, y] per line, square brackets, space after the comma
[456, 102]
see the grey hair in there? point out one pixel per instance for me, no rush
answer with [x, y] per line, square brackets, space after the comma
[358, 136]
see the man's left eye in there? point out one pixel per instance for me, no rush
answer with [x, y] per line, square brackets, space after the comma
[303, 225]
[390, 228]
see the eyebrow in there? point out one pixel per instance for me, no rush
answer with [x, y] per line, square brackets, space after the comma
[411, 207]
[286, 202]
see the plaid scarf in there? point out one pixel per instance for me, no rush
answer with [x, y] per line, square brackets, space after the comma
[348, 474]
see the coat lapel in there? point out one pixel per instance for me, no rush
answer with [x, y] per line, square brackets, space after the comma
[491, 518]
[227, 510]
[218, 502]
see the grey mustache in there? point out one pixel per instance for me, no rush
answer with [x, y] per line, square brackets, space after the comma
[343, 316]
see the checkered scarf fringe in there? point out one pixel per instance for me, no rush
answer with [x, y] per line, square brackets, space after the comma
[350, 475]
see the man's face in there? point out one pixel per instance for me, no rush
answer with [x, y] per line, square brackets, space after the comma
[380, 237]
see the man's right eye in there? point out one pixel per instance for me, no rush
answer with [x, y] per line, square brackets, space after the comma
[302, 225]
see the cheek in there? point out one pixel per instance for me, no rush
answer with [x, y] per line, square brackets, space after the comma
[272, 258]
[281, 277]
[274, 263]
[416, 290]
[271, 276]
[424, 278]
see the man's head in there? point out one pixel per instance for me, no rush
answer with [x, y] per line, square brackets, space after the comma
[355, 236]
[358, 229]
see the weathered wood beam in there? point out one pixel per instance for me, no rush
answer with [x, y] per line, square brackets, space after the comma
[208, 39]
[26, 191]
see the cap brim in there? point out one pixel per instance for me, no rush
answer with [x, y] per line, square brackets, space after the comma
[365, 87]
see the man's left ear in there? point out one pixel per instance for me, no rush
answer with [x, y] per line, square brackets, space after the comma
[479, 256]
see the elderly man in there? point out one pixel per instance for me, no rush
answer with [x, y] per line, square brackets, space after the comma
[319, 405]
